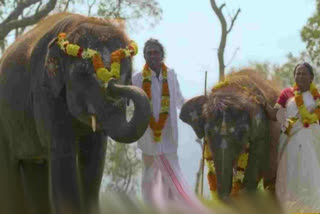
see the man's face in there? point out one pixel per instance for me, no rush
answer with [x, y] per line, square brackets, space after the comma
[153, 56]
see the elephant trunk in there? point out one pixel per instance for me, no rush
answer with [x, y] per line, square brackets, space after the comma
[224, 170]
[125, 131]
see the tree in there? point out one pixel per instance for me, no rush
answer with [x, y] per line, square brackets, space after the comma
[224, 33]
[20, 14]
[122, 168]
[282, 74]
[17, 15]
[122, 165]
[310, 34]
[131, 10]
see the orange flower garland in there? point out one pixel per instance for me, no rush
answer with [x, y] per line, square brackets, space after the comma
[237, 180]
[157, 126]
[307, 117]
[102, 73]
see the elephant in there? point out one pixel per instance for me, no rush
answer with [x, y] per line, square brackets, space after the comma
[232, 119]
[55, 115]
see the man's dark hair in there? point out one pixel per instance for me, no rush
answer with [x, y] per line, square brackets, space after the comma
[156, 42]
[305, 64]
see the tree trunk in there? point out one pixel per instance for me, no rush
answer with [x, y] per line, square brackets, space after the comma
[224, 34]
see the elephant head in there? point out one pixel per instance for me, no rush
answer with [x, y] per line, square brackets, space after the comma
[223, 119]
[74, 78]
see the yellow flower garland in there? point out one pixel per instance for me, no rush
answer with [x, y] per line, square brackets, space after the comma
[102, 73]
[307, 117]
[157, 126]
[237, 180]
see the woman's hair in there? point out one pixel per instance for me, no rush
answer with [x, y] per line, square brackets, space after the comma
[153, 42]
[305, 64]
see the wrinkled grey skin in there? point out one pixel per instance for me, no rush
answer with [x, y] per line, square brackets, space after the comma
[50, 159]
[227, 145]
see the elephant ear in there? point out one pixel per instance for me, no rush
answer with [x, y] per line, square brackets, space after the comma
[53, 66]
[191, 113]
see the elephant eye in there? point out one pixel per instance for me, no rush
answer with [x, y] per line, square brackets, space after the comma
[194, 116]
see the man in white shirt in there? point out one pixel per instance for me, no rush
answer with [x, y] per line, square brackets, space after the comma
[159, 154]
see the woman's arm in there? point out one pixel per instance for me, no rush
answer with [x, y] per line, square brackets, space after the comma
[271, 111]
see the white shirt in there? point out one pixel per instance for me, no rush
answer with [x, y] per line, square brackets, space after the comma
[169, 142]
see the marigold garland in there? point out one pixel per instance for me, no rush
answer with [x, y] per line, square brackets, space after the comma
[307, 117]
[102, 73]
[238, 177]
[157, 126]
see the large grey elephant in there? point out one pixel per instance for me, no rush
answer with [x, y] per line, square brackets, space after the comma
[51, 160]
[232, 120]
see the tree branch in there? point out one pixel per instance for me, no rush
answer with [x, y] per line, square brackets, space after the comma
[223, 39]
[234, 54]
[233, 20]
[222, 6]
[39, 6]
[66, 6]
[90, 6]
[19, 9]
[5, 28]
[224, 33]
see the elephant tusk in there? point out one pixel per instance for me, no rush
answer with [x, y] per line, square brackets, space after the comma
[93, 123]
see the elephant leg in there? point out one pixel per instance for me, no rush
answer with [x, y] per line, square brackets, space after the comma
[91, 158]
[257, 153]
[64, 177]
[36, 185]
[55, 128]
[12, 200]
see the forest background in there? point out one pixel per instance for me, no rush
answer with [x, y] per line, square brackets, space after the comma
[270, 36]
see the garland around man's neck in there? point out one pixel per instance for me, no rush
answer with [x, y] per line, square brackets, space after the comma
[157, 126]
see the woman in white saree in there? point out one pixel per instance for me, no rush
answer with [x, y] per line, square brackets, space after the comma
[298, 174]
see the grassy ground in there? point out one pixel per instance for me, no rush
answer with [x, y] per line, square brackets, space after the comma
[257, 204]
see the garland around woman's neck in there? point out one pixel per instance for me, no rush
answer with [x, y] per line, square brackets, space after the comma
[307, 117]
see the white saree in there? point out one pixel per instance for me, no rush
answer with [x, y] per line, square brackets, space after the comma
[298, 175]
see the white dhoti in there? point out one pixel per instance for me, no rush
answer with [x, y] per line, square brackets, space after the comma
[163, 184]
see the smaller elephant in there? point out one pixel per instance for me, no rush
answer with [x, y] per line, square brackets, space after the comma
[233, 123]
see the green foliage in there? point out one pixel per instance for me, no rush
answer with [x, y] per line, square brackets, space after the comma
[131, 10]
[122, 168]
[283, 74]
[264, 68]
[310, 34]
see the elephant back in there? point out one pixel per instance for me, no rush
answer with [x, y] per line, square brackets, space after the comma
[26, 47]
[248, 84]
